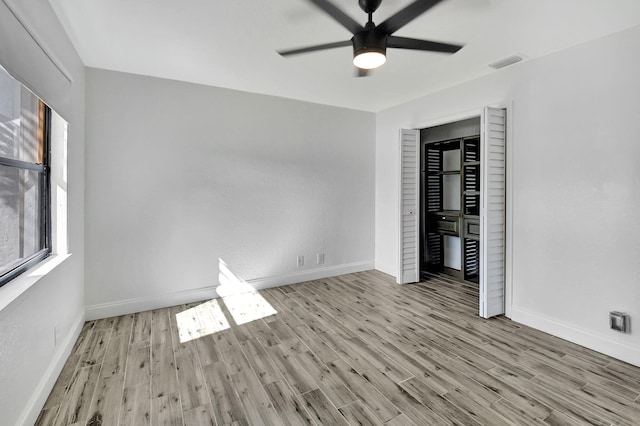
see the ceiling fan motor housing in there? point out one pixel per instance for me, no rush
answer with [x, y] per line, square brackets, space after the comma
[369, 41]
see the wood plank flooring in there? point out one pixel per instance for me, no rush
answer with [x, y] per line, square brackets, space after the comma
[351, 350]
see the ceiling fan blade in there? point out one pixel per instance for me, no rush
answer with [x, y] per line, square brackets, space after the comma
[406, 15]
[345, 20]
[315, 48]
[415, 44]
[361, 73]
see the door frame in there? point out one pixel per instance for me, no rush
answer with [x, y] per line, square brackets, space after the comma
[509, 193]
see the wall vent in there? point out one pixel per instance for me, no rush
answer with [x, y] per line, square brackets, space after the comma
[505, 62]
[619, 321]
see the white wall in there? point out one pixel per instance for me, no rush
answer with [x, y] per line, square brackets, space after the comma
[181, 176]
[574, 185]
[29, 361]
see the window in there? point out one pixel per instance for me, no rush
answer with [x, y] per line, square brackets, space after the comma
[25, 234]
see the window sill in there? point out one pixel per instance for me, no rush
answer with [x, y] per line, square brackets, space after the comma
[14, 288]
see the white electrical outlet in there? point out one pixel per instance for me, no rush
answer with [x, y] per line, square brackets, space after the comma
[300, 261]
[320, 258]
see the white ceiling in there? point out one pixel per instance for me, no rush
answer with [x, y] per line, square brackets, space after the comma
[233, 43]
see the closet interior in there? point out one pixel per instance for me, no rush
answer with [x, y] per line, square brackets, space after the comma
[450, 200]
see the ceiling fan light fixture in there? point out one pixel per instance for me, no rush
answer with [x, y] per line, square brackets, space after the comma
[369, 48]
[369, 60]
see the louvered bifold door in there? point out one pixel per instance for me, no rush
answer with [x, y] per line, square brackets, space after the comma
[492, 212]
[408, 247]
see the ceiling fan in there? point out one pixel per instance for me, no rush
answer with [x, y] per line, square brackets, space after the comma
[370, 42]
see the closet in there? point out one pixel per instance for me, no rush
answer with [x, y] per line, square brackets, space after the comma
[450, 200]
[452, 205]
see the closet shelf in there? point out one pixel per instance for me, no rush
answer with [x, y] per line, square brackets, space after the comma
[444, 172]
[446, 213]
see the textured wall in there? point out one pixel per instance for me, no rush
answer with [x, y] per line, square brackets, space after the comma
[182, 176]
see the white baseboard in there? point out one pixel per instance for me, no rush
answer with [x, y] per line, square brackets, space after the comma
[312, 274]
[48, 380]
[578, 335]
[140, 304]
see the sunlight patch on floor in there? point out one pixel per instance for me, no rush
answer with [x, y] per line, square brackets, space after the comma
[244, 303]
[202, 320]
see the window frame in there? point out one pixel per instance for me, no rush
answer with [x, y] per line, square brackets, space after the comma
[44, 170]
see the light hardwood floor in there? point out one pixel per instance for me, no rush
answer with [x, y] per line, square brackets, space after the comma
[356, 349]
